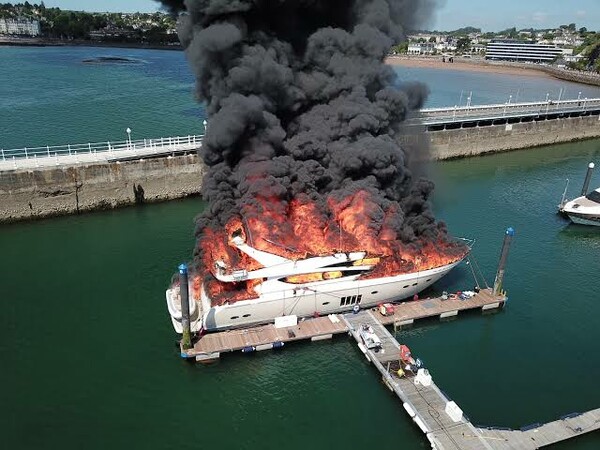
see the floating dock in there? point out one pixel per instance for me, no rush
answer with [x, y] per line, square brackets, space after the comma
[441, 420]
[210, 346]
[264, 337]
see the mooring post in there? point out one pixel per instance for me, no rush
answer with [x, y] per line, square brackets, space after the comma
[510, 232]
[588, 177]
[186, 339]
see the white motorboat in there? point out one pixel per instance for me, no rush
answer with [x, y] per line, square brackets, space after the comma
[584, 210]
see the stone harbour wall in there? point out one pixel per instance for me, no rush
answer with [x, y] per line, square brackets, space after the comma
[31, 194]
[464, 142]
[44, 192]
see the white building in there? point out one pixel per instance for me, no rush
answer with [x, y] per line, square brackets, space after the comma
[20, 26]
[522, 51]
[420, 48]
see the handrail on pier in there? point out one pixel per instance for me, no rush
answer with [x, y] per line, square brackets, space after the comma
[508, 109]
[96, 151]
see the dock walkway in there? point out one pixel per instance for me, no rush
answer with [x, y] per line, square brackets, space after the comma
[427, 405]
[264, 337]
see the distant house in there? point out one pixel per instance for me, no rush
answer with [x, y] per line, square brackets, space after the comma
[510, 50]
[421, 48]
[20, 26]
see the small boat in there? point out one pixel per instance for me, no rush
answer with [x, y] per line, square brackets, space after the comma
[584, 210]
[368, 336]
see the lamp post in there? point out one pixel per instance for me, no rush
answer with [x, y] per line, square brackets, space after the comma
[128, 130]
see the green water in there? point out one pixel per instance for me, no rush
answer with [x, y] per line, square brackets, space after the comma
[89, 359]
[87, 348]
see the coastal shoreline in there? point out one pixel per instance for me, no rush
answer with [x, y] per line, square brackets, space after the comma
[44, 42]
[497, 67]
[432, 62]
[465, 65]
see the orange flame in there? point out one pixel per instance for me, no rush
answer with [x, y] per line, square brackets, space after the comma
[301, 228]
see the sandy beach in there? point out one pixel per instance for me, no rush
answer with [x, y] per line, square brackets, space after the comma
[465, 64]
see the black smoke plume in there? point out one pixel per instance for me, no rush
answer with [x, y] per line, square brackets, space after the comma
[301, 105]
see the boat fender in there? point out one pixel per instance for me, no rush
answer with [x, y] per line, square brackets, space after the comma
[278, 344]
[356, 309]
[249, 349]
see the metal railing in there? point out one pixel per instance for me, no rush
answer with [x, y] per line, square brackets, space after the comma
[489, 112]
[30, 157]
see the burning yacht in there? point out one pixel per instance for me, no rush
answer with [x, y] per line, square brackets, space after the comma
[315, 199]
[231, 297]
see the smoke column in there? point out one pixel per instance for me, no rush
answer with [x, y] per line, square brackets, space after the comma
[305, 117]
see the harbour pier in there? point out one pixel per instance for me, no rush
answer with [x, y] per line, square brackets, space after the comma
[441, 419]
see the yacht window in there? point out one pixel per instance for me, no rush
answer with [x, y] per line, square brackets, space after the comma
[429, 279]
[325, 303]
[374, 292]
[353, 299]
[359, 298]
[246, 315]
[414, 284]
[234, 317]
[405, 287]
[343, 301]
[594, 196]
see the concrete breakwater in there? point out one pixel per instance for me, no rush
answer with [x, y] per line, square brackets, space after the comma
[44, 192]
[53, 191]
[477, 140]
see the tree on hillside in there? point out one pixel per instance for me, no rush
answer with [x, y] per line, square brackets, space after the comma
[400, 48]
[511, 33]
[463, 44]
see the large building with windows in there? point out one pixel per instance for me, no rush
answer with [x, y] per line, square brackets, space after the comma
[521, 51]
[420, 48]
[20, 26]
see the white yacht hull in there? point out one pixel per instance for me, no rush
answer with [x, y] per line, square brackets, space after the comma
[174, 308]
[584, 210]
[323, 297]
[583, 220]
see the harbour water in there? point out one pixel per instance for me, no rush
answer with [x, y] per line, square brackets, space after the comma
[49, 96]
[88, 352]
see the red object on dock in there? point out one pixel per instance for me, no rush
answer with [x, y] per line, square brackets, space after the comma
[386, 309]
[405, 354]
